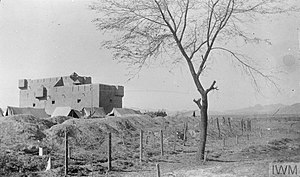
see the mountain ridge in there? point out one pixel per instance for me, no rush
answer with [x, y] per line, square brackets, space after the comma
[270, 109]
[258, 109]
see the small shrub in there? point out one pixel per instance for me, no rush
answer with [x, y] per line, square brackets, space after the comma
[12, 163]
[159, 113]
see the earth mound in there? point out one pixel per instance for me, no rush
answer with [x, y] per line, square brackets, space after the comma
[132, 122]
[22, 130]
[58, 119]
[86, 133]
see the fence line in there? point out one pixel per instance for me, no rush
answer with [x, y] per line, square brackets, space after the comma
[141, 145]
[66, 152]
[230, 125]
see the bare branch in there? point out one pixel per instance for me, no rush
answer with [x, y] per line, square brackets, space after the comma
[212, 87]
[164, 18]
[185, 20]
[172, 18]
[223, 22]
[209, 22]
[196, 50]
[183, 52]
[181, 30]
[151, 20]
[249, 67]
[198, 103]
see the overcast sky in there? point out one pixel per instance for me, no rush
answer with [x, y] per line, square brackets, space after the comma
[40, 39]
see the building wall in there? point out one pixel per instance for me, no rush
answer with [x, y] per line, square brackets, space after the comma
[41, 93]
[111, 97]
[77, 97]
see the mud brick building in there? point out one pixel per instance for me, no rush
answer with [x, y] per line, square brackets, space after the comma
[74, 91]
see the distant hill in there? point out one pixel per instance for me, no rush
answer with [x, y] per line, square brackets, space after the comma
[292, 109]
[197, 113]
[268, 109]
[271, 109]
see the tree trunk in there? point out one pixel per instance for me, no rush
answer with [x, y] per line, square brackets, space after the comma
[203, 128]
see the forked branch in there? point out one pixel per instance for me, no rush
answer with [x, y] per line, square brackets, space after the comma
[198, 102]
[212, 87]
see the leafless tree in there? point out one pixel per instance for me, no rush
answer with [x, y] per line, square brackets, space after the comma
[184, 30]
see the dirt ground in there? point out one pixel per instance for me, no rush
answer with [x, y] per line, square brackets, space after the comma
[278, 142]
[271, 139]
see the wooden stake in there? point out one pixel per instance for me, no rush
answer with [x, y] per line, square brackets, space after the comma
[249, 125]
[141, 145]
[109, 152]
[242, 126]
[236, 139]
[66, 152]
[161, 143]
[218, 126]
[157, 170]
[185, 129]
[229, 124]
[174, 143]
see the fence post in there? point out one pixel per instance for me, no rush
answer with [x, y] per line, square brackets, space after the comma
[236, 139]
[66, 152]
[123, 138]
[109, 152]
[161, 143]
[229, 124]
[242, 126]
[184, 133]
[224, 143]
[158, 170]
[218, 126]
[175, 140]
[141, 145]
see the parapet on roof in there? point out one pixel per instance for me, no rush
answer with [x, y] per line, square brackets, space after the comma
[73, 79]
